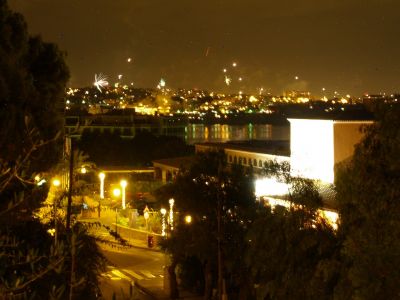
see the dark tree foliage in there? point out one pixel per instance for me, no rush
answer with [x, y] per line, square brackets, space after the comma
[291, 256]
[33, 264]
[294, 254]
[368, 193]
[33, 75]
[205, 191]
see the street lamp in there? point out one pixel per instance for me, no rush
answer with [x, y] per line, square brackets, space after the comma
[116, 192]
[56, 182]
[163, 213]
[123, 184]
[188, 219]
[146, 217]
[171, 213]
[102, 175]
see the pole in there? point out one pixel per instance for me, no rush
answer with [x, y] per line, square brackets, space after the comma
[116, 221]
[55, 222]
[219, 248]
[71, 176]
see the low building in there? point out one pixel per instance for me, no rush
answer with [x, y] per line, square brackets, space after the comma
[167, 169]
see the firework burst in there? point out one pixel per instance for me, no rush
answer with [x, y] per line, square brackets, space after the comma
[100, 81]
[227, 80]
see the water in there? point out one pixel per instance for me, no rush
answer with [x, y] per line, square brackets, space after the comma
[200, 133]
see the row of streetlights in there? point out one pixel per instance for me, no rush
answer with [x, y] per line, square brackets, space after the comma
[123, 183]
[117, 192]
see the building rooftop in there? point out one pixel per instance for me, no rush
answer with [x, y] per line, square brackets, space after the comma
[183, 162]
[348, 114]
[273, 147]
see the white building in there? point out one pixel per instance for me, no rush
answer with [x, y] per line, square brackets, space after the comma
[316, 146]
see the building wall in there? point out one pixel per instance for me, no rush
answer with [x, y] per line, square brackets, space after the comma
[244, 158]
[254, 159]
[312, 149]
[346, 136]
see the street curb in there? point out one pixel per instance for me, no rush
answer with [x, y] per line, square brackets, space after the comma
[148, 291]
[155, 249]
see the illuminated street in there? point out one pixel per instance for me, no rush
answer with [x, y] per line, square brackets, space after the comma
[129, 266]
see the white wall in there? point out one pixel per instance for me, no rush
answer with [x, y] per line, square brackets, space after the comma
[312, 149]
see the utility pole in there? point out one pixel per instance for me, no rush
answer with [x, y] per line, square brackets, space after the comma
[220, 193]
[220, 282]
[71, 176]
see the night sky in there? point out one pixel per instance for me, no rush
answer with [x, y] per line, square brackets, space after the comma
[348, 46]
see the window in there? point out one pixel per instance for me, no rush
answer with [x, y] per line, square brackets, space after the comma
[260, 163]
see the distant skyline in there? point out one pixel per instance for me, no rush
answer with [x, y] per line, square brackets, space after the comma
[348, 46]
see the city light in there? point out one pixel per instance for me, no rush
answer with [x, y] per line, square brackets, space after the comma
[270, 187]
[188, 219]
[102, 176]
[116, 192]
[163, 222]
[171, 213]
[123, 184]
[56, 182]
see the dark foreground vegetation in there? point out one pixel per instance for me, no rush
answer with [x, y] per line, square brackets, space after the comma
[33, 263]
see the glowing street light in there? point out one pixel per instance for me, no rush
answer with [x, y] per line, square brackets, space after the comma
[163, 225]
[83, 170]
[102, 175]
[116, 192]
[56, 182]
[188, 219]
[123, 184]
[146, 216]
[171, 213]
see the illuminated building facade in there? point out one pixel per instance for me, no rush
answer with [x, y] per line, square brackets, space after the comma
[316, 146]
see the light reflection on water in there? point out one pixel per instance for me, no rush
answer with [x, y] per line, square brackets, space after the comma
[198, 133]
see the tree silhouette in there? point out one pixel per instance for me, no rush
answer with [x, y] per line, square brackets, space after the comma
[33, 265]
[368, 193]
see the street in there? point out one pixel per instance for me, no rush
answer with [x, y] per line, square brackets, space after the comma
[129, 267]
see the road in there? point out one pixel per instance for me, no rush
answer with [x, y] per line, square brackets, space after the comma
[129, 266]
